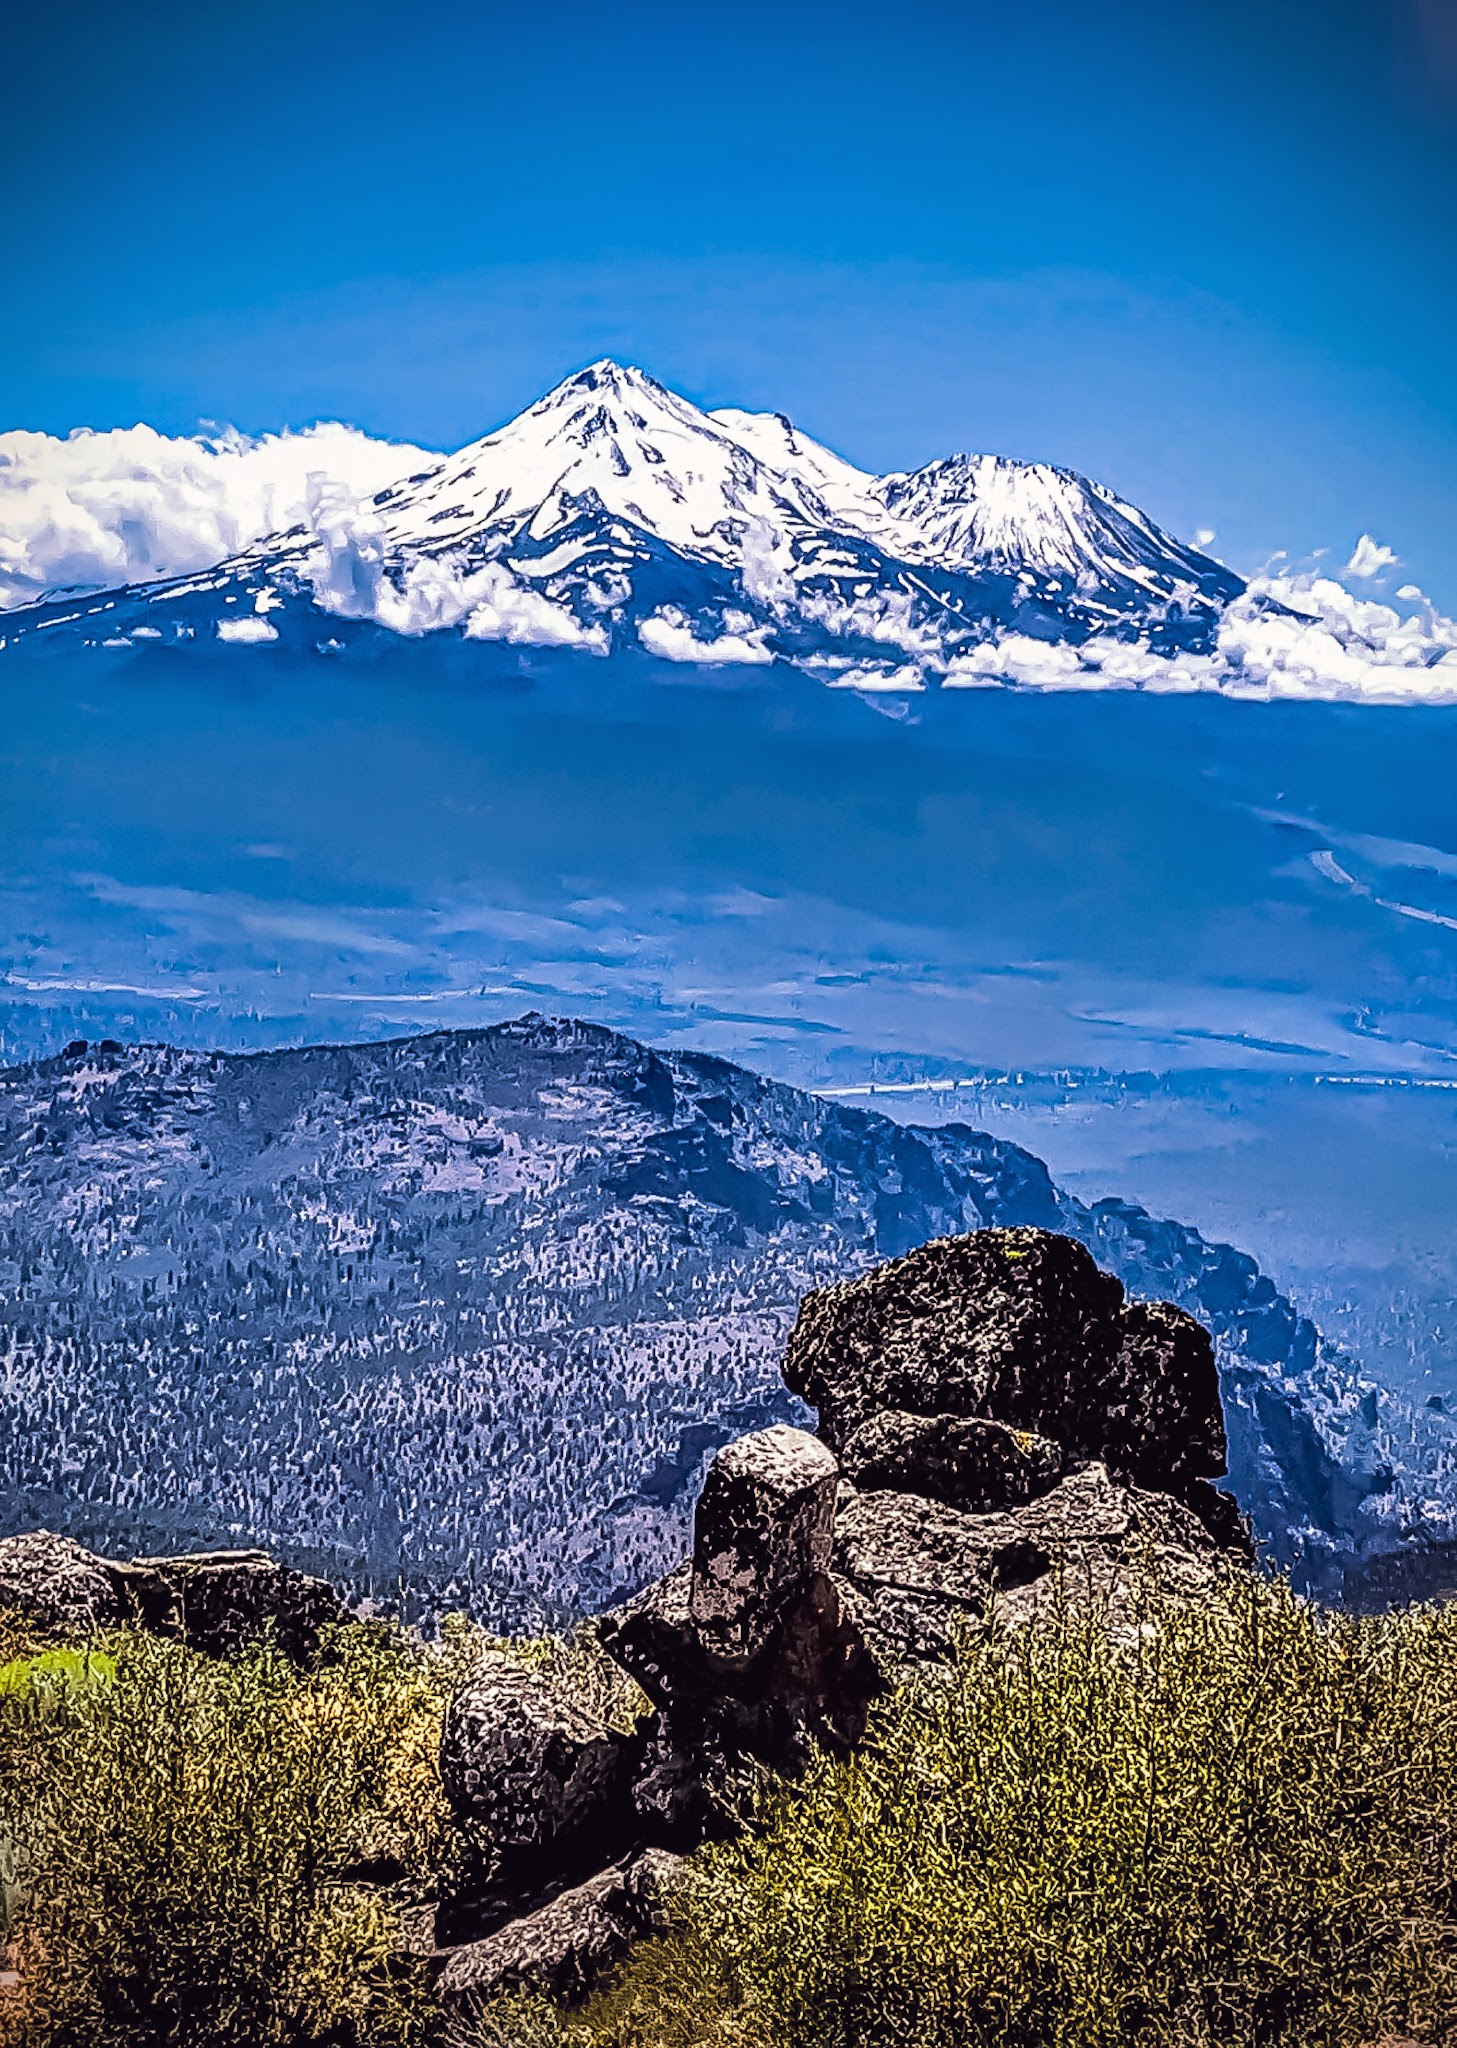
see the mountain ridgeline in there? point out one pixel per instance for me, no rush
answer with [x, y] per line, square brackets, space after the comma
[458, 1318]
[614, 516]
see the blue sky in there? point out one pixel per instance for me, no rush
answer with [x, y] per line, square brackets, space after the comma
[1208, 253]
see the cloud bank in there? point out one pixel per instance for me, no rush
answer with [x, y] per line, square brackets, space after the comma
[1302, 635]
[100, 509]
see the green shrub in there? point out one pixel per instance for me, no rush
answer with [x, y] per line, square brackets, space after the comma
[1237, 1825]
[177, 1835]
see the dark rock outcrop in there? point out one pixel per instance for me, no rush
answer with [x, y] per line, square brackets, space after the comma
[765, 1525]
[219, 1601]
[965, 1461]
[59, 1586]
[747, 1651]
[1017, 1327]
[564, 1947]
[537, 1784]
[216, 1601]
[917, 1569]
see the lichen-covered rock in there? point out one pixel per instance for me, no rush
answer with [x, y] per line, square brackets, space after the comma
[965, 1461]
[1019, 1327]
[57, 1585]
[914, 1571]
[537, 1784]
[747, 1651]
[561, 1950]
[764, 1526]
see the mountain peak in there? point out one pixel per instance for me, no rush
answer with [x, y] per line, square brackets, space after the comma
[613, 512]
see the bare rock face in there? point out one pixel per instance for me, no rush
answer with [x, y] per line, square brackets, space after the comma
[1010, 1432]
[914, 1569]
[1017, 1327]
[562, 1949]
[59, 1586]
[763, 1526]
[537, 1785]
[216, 1602]
[965, 1461]
[219, 1601]
[747, 1651]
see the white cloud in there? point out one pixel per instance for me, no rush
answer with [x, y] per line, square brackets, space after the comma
[1296, 636]
[1369, 558]
[1308, 636]
[249, 631]
[349, 570]
[878, 680]
[99, 509]
[668, 634]
[512, 611]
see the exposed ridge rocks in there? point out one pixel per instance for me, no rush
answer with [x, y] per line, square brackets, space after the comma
[538, 1783]
[999, 1428]
[965, 1461]
[748, 1652]
[58, 1585]
[215, 1601]
[916, 1569]
[564, 1947]
[1013, 1327]
[765, 1524]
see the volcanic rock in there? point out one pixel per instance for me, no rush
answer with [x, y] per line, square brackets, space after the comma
[219, 1601]
[58, 1586]
[215, 1601]
[537, 1784]
[1018, 1327]
[747, 1651]
[764, 1525]
[562, 1949]
[916, 1571]
[965, 1461]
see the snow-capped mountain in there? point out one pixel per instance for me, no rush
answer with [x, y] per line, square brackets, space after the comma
[613, 514]
[409, 1311]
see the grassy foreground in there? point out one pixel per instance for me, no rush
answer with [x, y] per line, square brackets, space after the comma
[1237, 1824]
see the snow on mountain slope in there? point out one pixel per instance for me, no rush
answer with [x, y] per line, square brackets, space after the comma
[614, 516]
[410, 1311]
[614, 436]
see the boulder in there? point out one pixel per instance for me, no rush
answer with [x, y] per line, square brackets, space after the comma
[537, 1784]
[914, 1571]
[58, 1586]
[747, 1651]
[1018, 1327]
[217, 1601]
[564, 1948]
[965, 1461]
[220, 1601]
[764, 1526]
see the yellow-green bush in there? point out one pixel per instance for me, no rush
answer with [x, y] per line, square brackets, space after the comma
[178, 1833]
[1237, 1826]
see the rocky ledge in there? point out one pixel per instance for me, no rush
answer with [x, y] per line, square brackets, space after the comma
[999, 1427]
[216, 1601]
